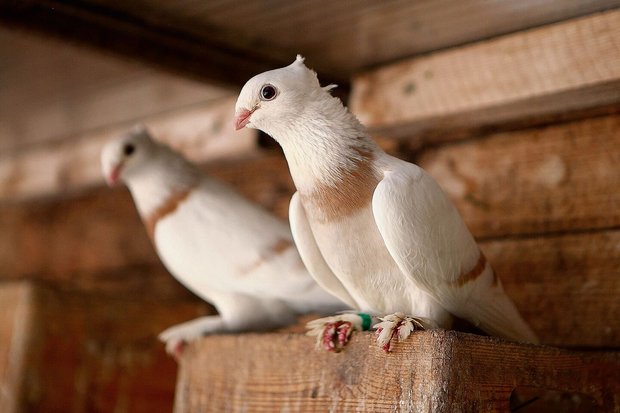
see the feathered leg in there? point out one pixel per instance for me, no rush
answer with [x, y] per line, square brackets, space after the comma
[400, 326]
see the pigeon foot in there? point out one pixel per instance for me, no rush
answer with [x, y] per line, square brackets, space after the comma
[399, 326]
[333, 333]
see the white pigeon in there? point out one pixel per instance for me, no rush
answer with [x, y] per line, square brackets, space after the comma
[222, 247]
[377, 225]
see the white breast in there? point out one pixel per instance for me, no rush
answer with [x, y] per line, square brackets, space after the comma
[354, 250]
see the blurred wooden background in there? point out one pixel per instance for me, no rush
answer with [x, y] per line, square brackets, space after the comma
[513, 109]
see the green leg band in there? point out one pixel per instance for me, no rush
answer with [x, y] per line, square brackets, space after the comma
[366, 321]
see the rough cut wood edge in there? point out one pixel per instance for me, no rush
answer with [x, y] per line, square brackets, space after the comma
[434, 371]
[559, 178]
[544, 72]
[202, 133]
[16, 330]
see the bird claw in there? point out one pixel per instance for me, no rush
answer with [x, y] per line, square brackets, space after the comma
[179, 336]
[333, 333]
[336, 335]
[399, 326]
[175, 348]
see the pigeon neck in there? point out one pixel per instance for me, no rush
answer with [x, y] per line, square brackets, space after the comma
[158, 182]
[322, 148]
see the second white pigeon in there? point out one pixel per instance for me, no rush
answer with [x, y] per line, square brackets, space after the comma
[221, 246]
[377, 225]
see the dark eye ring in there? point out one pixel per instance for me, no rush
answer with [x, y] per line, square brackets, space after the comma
[129, 149]
[268, 92]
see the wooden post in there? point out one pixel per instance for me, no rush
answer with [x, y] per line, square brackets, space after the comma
[16, 334]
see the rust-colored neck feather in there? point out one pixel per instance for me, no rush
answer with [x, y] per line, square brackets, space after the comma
[170, 205]
[353, 191]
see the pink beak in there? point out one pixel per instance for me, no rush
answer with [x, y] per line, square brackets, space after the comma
[242, 118]
[113, 178]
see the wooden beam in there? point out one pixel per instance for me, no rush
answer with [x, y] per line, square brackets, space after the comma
[202, 133]
[537, 74]
[200, 54]
[338, 39]
[160, 45]
[430, 372]
[555, 179]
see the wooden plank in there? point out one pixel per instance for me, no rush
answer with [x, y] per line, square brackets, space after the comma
[559, 178]
[431, 372]
[16, 331]
[541, 73]
[201, 133]
[339, 38]
[566, 286]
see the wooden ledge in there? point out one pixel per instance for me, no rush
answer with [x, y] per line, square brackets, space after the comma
[439, 371]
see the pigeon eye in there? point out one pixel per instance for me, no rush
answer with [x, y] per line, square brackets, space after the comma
[268, 92]
[129, 149]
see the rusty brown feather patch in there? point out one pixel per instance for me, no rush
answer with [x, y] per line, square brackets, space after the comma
[277, 248]
[354, 191]
[280, 246]
[473, 273]
[169, 206]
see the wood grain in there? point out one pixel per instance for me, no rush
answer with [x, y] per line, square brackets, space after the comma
[432, 371]
[544, 72]
[565, 286]
[559, 178]
[16, 335]
[201, 133]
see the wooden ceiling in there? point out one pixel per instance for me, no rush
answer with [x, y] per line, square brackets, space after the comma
[228, 41]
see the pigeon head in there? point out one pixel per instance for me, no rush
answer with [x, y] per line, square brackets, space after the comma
[277, 96]
[126, 155]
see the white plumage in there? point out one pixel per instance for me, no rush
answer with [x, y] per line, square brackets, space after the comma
[368, 225]
[225, 249]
